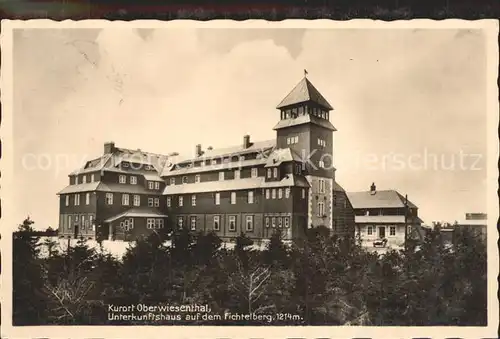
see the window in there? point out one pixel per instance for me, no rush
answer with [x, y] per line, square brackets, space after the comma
[193, 223]
[233, 198]
[250, 197]
[280, 193]
[184, 179]
[122, 179]
[157, 185]
[172, 181]
[125, 164]
[137, 200]
[109, 198]
[157, 202]
[232, 223]
[151, 185]
[125, 199]
[87, 198]
[67, 200]
[226, 160]
[280, 222]
[321, 164]
[217, 198]
[150, 223]
[70, 221]
[286, 222]
[269, 173]
[169, 201]
[77, 199]
[221, 176]
[321, 142]
[392, 230]
[237, 174]
[197, 178]
[83, 222]
[267, 222]
[193, 200]
[287, 192]
[275, 172]
[321, 186]
[216, 222]
[249, 223]
[91, 222]
[214, 162]
[273, 222]
[267, 193]
[321, 209]
[303, 193]
[180, 222]
[181, 201]
[298, 169]
[133, 180]
[369, 230]
[159, 223]
[296, 139]
[273, 193]
[76, 180]
[84, 179]
[292, 140]
[92, 178]
[241, 158]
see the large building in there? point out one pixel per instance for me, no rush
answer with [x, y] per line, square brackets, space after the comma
[256, 187]
[384, 218]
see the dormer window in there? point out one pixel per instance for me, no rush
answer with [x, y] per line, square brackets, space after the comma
[184, 180]
[151, 185]
[122, 179]
[84, 181]
[269, 173]
[125, 164]
[275, 173]
[76, 180]
[301, 110]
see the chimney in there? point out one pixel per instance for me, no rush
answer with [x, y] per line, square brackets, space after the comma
[246, 141]
[373, 189]
[197, 151]
[109, 147]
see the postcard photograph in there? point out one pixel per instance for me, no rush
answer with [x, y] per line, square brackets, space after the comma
[296, 177]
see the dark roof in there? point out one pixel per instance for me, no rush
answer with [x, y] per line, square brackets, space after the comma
[304, 91]
[381, 199]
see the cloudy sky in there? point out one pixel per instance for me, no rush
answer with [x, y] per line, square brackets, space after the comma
[409, 104]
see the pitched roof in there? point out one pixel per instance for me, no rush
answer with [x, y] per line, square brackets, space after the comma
[304, 91]
[234, 185]
[168, 172]
[111, 162]
[336, 187]
[87, 187]
[138, 212]
[256, 146]
[305, 119]
[381, 199]
[279, 156]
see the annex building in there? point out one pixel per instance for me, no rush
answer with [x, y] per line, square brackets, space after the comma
[254, 187]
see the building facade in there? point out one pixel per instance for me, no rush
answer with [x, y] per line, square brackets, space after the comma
[384, 219]
[287, 184]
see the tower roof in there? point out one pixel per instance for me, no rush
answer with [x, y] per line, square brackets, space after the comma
[304, 91]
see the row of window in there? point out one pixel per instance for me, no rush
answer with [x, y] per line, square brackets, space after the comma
[370, 230]
[292, 140]
[76, 199]
[197, 177]
[84, 179]
[83, 222]
[152, 202]
[301, 110]
[321, 142]
[136, 166]
[270, 194]
[154, 223]
[215, 162]
[152, 185]
[280, 222]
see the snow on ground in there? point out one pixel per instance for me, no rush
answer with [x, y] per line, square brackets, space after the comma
[116, 248]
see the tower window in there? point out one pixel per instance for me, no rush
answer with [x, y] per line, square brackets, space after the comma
[301, 110]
